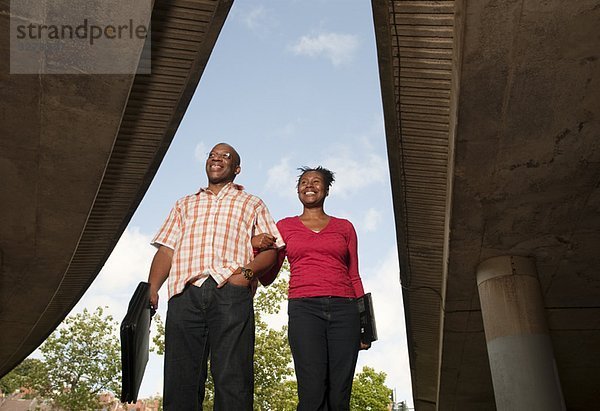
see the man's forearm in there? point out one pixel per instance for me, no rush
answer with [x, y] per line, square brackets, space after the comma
[263, 261]
[161, 265]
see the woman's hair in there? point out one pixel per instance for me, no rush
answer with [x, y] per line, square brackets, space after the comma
[328, 175]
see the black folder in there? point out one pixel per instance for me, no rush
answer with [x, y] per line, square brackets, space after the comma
[368, 328]
[135, 340]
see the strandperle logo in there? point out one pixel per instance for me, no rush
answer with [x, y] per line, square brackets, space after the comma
[80, 37]
[85, 31]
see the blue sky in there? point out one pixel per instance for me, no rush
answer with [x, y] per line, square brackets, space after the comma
[289, 83]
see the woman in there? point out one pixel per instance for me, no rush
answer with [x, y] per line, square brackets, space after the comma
[324, 325]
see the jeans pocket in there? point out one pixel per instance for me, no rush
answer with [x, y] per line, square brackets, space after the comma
[237, 287]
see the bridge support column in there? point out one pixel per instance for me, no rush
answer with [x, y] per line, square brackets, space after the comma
[520, 351]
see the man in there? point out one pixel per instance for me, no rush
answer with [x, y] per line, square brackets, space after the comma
[204, 250]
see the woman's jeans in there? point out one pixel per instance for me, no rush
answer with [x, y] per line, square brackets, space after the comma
[219, 321]
[324, 335]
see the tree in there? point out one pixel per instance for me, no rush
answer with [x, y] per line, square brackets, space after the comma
[31, 374]
[274, 385]
[369, 392]
[274, 388]
[83, 359]
[158, 340]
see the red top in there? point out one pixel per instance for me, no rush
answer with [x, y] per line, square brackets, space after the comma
[324, 263]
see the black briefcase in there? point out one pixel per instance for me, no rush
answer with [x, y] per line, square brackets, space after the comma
[135, 339]
[368, 328]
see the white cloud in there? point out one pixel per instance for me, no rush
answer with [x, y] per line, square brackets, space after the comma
[281, 179]
[338, 48]
[287, 130]
[128, 264]
[353, 174]
[200, 152]
[255, 18]
[389, 353]
[258, 19]
[372, 219]
[276, 321]
[375, 132]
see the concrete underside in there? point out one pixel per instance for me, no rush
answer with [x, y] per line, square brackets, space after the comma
[77, 153]
[492, 121]
[492, 117]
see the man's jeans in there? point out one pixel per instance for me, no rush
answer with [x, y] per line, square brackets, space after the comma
[220, 322]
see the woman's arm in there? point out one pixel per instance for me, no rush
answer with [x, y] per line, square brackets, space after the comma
[262, 242]
[353, 262]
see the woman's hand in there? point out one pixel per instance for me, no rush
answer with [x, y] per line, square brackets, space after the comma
[262, 241]
[364, 346]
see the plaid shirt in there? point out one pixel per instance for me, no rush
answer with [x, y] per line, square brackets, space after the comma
[210, 234]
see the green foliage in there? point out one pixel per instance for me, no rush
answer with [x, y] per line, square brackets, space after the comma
[369, 392]
[274, 388]
[31, 374]
[268, 299]
[158, 340]
[156, 400]
[83, 360]
[209, 392]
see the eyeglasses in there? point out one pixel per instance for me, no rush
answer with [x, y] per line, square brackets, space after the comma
[223, 156]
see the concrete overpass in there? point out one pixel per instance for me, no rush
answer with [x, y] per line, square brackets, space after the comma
[77, 153]
[492, 113]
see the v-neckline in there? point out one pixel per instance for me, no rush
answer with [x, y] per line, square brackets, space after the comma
[313, 231]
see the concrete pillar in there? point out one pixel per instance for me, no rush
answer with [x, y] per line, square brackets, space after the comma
[522, 363]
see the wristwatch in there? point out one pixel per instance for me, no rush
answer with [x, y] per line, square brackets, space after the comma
[247, 273]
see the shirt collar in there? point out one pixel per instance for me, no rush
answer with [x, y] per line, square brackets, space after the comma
[227, 187]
